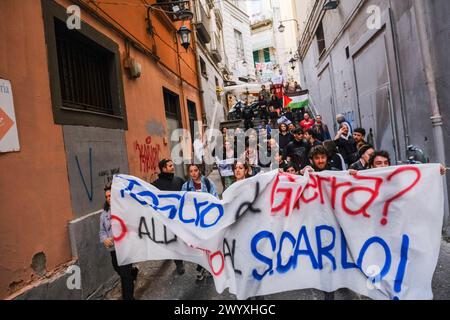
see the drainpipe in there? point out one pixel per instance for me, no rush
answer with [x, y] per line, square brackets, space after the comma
[422, 12]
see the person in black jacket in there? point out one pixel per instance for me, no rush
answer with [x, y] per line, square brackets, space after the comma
[297, 150]
[285, 136]
[346, 144]
[167, 181]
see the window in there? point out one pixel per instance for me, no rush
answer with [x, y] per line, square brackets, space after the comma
[239, 44]
[85, 73]
[320, 39]
[256, 56]
[172, 105]
[266, 55]
[192, 110]
[203, 68]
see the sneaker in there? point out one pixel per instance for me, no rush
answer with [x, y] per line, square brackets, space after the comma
[180, 269]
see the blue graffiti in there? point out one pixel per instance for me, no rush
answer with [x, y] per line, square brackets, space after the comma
[91, 193]
[174, 204]
[272, 258]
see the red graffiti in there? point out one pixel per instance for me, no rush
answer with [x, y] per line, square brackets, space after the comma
[123, 228]
[346, 196]
[149, 155]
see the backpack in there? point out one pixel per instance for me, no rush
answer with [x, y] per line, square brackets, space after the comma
[208, 185]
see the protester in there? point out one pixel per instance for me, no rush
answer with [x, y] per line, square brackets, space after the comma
[379, 159]
[263, 107]
[285, 136]
[199, 183]
[335, 159]
[241, 170]
[311, 138]
[346, 144]
[307, 123]
[359, 135]
[297, 150]
[278, 163]
[275, 104]
[291, 168]
[264, 93]
[167, 181]
[224, 165]
[319, 161]
[291, 127]
[248, 117]
[288, 114]
[364, 153]
[251, 155]
[340, 119]
[128, 273]
[321, 129]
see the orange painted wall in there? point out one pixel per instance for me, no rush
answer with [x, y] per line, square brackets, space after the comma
[34, 191]
[35, 205]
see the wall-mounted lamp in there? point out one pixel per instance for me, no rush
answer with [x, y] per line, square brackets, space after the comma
[281, 27]
[185, 36]
[331, 5]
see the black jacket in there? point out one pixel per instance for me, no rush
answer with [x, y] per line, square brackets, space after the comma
[168, 182]
[284, 140]
[348, 149]
[298, 151]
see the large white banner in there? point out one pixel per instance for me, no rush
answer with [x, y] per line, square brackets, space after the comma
[377, 233]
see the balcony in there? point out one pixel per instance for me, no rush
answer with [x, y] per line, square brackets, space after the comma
[202, 27]
[216, 49]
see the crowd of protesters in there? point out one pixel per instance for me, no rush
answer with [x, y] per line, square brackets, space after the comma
[303, 144]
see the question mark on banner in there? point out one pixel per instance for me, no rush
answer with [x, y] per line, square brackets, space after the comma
[401, 193]
[374, 277]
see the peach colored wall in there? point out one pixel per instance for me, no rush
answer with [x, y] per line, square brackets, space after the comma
[35, 205]
[34, 192]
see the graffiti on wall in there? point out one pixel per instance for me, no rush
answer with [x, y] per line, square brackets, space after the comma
[149, 155]
[107, 175]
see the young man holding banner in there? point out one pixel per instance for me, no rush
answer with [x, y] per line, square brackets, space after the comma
[167, 181]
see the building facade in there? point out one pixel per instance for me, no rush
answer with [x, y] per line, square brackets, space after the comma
[371, 61]
[90, 102]
[211, 58]
[272, 49]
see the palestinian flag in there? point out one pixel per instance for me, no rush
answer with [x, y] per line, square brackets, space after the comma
[296, 102]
